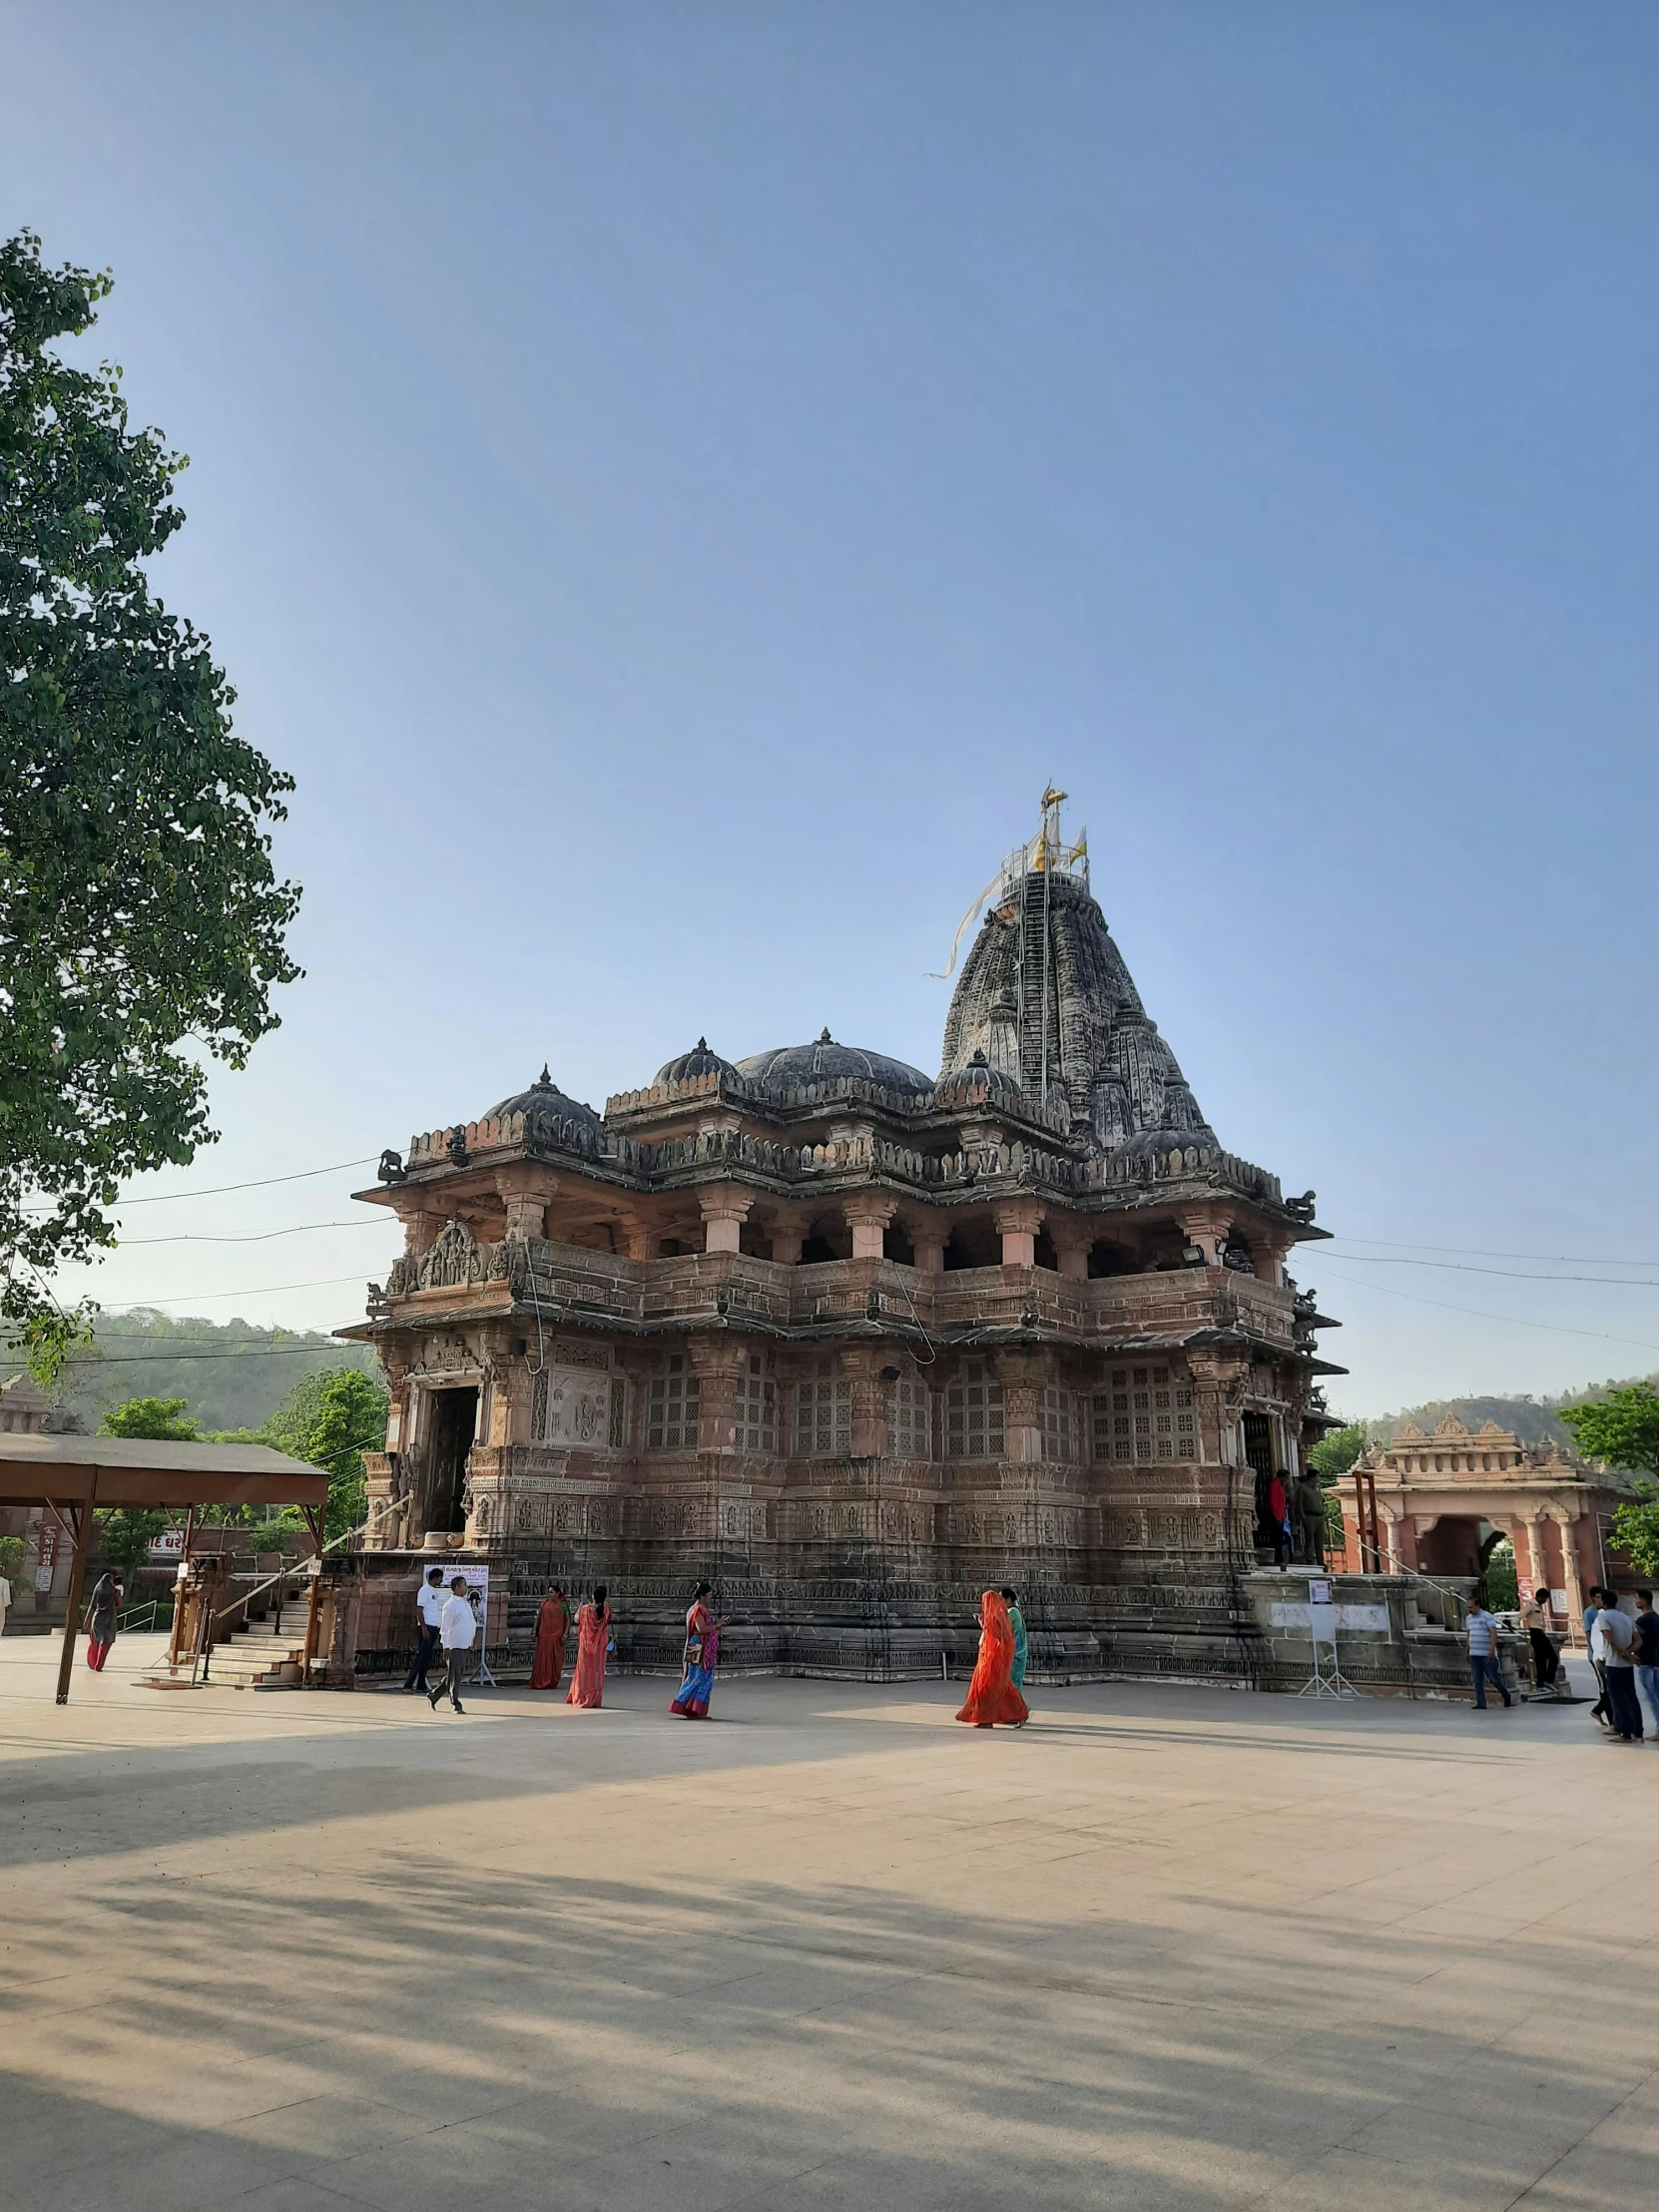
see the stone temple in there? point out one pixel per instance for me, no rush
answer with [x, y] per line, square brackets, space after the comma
[856, 1341]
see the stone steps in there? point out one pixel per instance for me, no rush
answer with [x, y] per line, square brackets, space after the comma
[256, 1659]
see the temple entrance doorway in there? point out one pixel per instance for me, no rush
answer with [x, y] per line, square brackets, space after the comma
[1258, 1445]
[454, 1425]
[1451, 1546]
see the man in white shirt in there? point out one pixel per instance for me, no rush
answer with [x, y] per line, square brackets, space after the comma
[5, 1602]
[429, 1604]
[1481, 1632]
[457, 1626]
[1612, 1639]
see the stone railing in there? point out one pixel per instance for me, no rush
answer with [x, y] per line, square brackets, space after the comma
[597, 1287]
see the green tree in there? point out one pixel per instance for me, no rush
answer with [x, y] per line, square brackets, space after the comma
[331, 1420]
[140, 920]
[125, 1534]
[1336, 1452]
[161, 1419]
[1622, 1430]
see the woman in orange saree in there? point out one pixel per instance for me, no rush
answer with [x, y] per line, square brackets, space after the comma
[593, 1633]
[991, 1694]
[552, 1627]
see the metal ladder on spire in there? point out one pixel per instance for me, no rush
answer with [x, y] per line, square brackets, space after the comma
[1034, 982]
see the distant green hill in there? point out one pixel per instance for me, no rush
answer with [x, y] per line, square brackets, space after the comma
[1533, 1420]
[234, 1375]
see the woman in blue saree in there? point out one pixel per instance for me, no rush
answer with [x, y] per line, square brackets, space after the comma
[702, 1654]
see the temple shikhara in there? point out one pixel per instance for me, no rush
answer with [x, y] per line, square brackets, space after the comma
[859, 1342]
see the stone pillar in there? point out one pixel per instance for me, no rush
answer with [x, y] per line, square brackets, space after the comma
[1022, 1377]
[869, 1403]
[1016, 1221]
[635, 1239]
[868, 1216]
[1073, 1241]
[524, 1190]
[1207, 1230]
[1537, 1563]
[420, 1229]
[1570, 1575]
[1388, 1520]
[724, 1210]
[717, 1366]
[787, 1236]
[928, 1238]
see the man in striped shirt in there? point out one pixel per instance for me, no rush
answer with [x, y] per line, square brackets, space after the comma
[1481, 1631]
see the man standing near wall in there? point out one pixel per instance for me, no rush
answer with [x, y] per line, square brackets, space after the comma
[1617, 1639]
[429, 1602]
[1646, 1655]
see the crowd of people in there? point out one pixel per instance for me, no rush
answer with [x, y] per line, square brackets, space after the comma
[449, 1624]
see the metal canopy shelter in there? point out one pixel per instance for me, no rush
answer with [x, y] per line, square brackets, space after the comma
[73, 1476]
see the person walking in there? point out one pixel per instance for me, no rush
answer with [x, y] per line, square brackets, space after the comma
[429, 1604]
[1597, 1598]
[552, 1627]
[102, 1615]
[457, 1627]
[1646, 1639]
[1616, 1635]
[1481, 1632]
[991, 1694]
[5, 1602]
[593, 1636]
[1546, 1660]
[1016, 1621]
[691, 1700]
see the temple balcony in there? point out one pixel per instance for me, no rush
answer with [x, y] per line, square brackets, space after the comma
[569, 1283]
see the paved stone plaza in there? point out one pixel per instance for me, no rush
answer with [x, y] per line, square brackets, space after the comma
[1166, 1948]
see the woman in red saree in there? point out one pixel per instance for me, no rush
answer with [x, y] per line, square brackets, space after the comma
[552, 1627]
[991, 1694]
[593, 1633]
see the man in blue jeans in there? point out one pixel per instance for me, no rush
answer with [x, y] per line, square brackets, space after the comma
[1481, 1631]
[1646, 1627]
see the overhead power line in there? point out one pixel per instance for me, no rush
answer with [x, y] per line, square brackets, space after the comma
[1475, 1251]
[262, 1236]
[1554, 1329]
[220, 1190]
[1511, 1275]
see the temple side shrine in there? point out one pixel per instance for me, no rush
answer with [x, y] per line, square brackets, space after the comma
[858, 1343]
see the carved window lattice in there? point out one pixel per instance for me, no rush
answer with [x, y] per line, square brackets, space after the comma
[1147, 1415]
[911, 1422]
[672, 1425]
[1059, 1423]
[616, 1434]
[757, 1408]
[538, 1407]
[975, 1424]
[823, 1414]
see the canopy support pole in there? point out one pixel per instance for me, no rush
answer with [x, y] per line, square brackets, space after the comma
[81, 1525]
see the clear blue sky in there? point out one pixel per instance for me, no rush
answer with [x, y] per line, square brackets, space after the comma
[673, 482]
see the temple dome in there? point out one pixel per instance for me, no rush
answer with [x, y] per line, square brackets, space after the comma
[980, 1084]
[791, 1066]
[542, 1105]
[699, 1061]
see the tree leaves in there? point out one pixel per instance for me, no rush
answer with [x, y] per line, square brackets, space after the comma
[141, 920]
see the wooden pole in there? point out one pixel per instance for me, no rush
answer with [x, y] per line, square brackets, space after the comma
[81, 1523]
